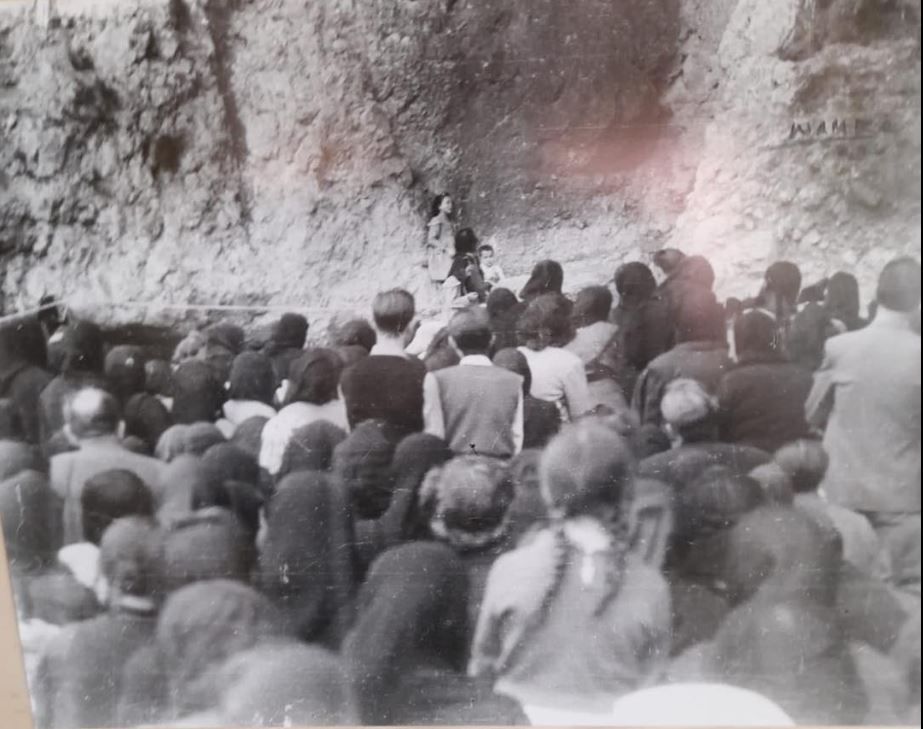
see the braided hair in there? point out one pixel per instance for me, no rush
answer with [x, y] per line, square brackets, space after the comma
[586, 471]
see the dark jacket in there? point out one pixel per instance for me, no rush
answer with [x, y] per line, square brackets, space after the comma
[705, 362]
[681, 466]
[761, 402]
[541, 422]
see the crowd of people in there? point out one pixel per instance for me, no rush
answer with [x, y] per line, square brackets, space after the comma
[548, 510]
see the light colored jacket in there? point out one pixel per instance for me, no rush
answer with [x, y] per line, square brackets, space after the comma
[867, 392]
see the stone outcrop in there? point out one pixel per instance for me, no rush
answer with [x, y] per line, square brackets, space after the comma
[281, 152]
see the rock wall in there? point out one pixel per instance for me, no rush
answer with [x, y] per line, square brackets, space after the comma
[282, 152]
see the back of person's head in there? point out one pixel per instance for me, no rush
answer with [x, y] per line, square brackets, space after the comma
[202, 625]
[592, 305]
[28, 515]
[783, 278]
[586, 467]
[412, 613]
[466, 242]
[131, 558]
[252, 378]
[699, 317]
[500, 301]
[287, 685]
[362, 462]
[784, 553]
[197, 393]
[515, 361]
[668, 260]
[754, 333]
[193, 439]
[158, 377]
[313, 377]
[414, 457]
[146, 418]
[635, 283]
[291, 331]
[207, 545]
[714, 502]
[547, 278]
[805, 462]
[470, 331]
[899, 285]
[356, 332]
[92, 413]
[124, 369]
[81, 346]
[310, 448]
[466, 502]
[546, 322]
[393, 311]
[687, 408]
[232, 483]
[696, 271]
[842, 297]
[111, 495]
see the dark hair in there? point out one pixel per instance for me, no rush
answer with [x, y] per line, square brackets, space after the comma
[699, 317]
[697, 270]
[807, 335]
[314, 377]
[198, 395]
[356, 332]
[784, 279]
[485, 247]
[714, 501]
[110, 495]
[668, 260]
[515, 361]
[470, 329]
[755, 333]
[805, 463]
[10, 422]
[842, 298]
[899, 285]
[635, 283]
[158, 377]
[500, 301]
[546, 322]
[547, 278]
[82, 347]
[252, 378]
[592, 305]
[393, 311]
[436, 206]
[466, 242]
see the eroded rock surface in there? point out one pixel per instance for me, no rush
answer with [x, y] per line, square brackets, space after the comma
[282, 152]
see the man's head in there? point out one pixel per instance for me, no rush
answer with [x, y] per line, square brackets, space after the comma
[689, 412]
[91, 413]
[393, 313]
[754, 333]
[469, 331]
[899, 285]
[592, 305]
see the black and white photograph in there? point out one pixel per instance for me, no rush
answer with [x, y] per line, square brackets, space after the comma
[461, 362]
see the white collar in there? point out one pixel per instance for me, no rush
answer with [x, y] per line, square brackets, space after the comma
[476, 360]
[891, 319]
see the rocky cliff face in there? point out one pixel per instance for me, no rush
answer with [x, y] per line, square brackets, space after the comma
[282, 152]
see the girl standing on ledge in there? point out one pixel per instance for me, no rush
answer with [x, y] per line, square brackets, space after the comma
[440, 238]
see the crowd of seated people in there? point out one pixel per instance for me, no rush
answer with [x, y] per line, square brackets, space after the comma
[639, 502]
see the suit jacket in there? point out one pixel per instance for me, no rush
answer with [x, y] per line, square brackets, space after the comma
[69, 472]
[867, 392]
